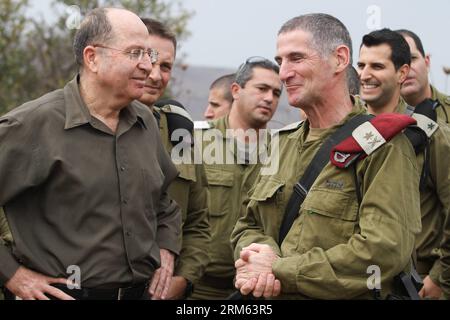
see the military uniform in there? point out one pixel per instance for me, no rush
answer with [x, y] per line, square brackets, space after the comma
[228, 187]
[435, 197]
[434, 200]
[443, 112]
[333, 241]
[189, 191]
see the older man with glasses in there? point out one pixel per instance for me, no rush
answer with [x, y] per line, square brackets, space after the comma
[84, 175]
[232, 166]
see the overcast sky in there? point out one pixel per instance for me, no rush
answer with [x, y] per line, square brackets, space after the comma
[226, 32]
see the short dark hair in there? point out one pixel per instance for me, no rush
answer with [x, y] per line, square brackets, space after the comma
[400, 52]
[159, 29]
[95, 28]
[224, 82]
[415, 37]
[245, 71]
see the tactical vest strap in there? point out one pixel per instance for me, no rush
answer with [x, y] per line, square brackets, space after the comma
[426, 117]
[177, 118]
[321, 158]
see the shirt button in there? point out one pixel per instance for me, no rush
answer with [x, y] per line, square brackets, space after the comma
[122, 168]
[128, 233]
[125, 202]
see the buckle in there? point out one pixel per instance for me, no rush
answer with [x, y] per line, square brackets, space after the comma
[120, 294]
[300, 190]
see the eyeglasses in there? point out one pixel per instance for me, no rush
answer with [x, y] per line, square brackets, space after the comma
[135, 54]
[253, 60]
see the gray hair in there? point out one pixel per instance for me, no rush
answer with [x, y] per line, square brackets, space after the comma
[245, 71]
[327, 32]
[95, 28]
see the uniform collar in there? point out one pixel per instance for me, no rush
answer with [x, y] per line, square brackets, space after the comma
[77, 113]
[222, 124]
[358, 108]
[442, 98]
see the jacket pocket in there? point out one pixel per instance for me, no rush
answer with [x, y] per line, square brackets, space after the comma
[268, 188]
[328, 218]
[187, 172]
[220, 183]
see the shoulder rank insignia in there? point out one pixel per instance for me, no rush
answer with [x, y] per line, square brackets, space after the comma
[426, 124]
[368, 137]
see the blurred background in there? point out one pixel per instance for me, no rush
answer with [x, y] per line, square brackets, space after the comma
[215, 37]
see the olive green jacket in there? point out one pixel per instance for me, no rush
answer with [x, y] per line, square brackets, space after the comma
[189, 191]
[444, 111]
[333, 244]
[434, 200]
[228, 185]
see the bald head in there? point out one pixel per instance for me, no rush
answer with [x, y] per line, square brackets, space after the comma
[125, 24]
[106, 26]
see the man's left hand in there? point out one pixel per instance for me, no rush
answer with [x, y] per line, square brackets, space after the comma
[254, 271]
[162, 278]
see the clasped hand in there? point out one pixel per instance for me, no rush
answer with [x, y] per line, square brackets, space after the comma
[254, 271]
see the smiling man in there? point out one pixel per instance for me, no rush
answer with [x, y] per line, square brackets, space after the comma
[340, 231]
[84, 175]
[189, 188]
[383, 67]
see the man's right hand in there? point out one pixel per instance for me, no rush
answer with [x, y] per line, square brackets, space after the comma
[30, 285]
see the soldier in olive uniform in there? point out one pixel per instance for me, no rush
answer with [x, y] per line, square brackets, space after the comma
[335, 242]
[256, 93]
[382, 75]
[189, 188]
[417, 86]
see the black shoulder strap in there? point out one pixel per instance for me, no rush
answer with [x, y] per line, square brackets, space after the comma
[321, 158]
[418, 138]
[157, 116]
[176, 120]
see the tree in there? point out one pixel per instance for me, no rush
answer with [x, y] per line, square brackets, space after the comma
[17, 76]
[37, 56]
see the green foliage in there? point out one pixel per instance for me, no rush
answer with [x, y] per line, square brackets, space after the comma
[37, 57]
[17, 78]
